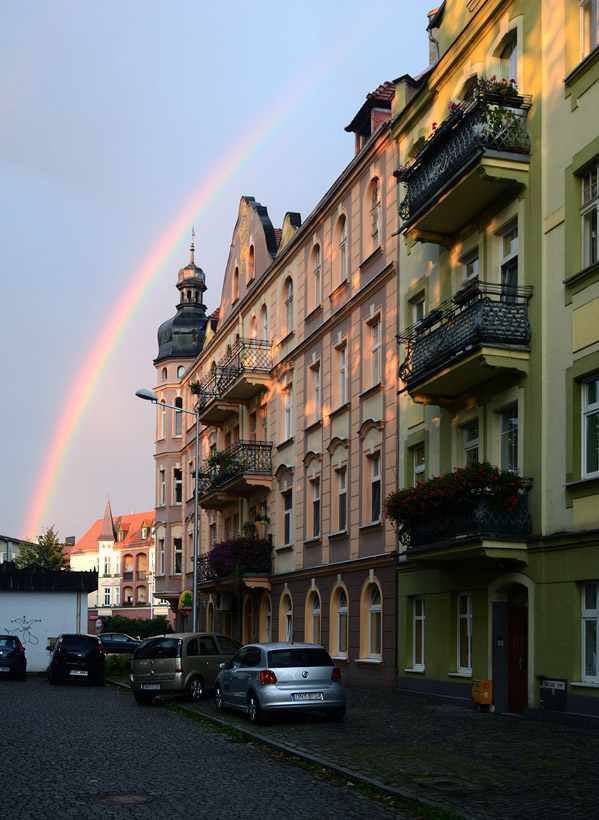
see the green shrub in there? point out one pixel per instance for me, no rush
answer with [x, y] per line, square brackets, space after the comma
[142, 627]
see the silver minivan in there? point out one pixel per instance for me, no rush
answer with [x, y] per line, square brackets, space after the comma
[182, 662]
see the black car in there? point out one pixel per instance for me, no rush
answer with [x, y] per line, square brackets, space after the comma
[117, 643]
[74, 656]
[13, 663]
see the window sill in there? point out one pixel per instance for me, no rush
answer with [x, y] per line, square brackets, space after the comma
[313, 542]
[286, 338]
[467, 675]
[415, 671]
[338, 536]
[589, 275]
[582, 67]
[285, 443]
[589, 483]
[284, 548]
[314, 312]
[374, 525]
[587, 684]
[340, 659]
[234, 302]
[369, 661]
[339, 410]
[371, 390]
[339, 289]
[371, 257]
[314, 426]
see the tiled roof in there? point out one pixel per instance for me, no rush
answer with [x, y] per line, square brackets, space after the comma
[130, 524]
[384, 92]
[278, 235]
[379, 98]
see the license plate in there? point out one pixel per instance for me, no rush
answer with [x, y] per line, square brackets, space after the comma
[150, 686]
[80, 672]
[4, 668]
[306, 696]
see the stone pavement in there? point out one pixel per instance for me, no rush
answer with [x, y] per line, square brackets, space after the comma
[481, 765]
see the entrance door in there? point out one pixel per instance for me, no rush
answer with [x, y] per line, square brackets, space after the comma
[517, 650]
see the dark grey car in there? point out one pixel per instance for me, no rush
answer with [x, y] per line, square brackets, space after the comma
[267, 677]
[77, 657]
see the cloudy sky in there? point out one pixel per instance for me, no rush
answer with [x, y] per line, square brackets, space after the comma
[122, 124]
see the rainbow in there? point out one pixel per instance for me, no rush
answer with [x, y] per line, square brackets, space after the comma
[85, 386]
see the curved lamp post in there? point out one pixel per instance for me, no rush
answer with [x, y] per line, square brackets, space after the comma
[149, 395]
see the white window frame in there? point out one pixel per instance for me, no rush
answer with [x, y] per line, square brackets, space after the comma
[417, 307]
[590, 623]
[342, 499]
[317, 276]
[509, 266]
[316, 392]
[375, 623]
[590, 417]
[376, 335]
[288, 305]
[316, 511]
[161, 556]
[177, 486]
[470, 266]
[342, 368]
[508, 438]
[106, 597]
[375, 482]
[178, 419]
[375, 214]
[418, 632]
[342, 623]
[288, 410]
[509, 58]
[288, 618]
[288, 518]
[471, 445]
[161, 488]
[162, 420]
[342, 249]
[316, 620]
[117, 596]
[589, 211]
[177, 556]
[589, 27]
[418, 463]
[464, 618]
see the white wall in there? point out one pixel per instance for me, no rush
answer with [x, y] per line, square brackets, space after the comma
[34, 617]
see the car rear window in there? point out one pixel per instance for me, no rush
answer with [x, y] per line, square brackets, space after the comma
[79, 643]
[160, 648]
[8, 643]
[305, 657]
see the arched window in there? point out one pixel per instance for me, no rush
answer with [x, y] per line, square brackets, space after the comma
[251, 263]
[210, 617]
[268, 620]
[178, 418]
[317, 276]
[289, 304]
[341, 650]
[315, 618]
[162, 420]
[164, 374]
[235, 294]
[288, 619]
[374, 622]
[342, 232]
[375, 214]
[180, 371]
[264, 322]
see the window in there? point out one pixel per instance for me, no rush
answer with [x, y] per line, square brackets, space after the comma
[590, 633]
[161, 556]
[264, 322]
[235, 293]
[144, 532]
[470, 438]
[317, 276]
[470, 267]
[509, 60]
[341, 355]
[180, 371]
[268, 621]
[251, 263]
[106, 596]
[315, 508]
[117, 564]
[375, 352]
[316, 394]
[177, 556]
[315, 625]
[342, 499]
[288, 619]
[212, 533]
[106, 565]
[374, 622]
[417, 308]
[588, 26]
[375, 487]
[288, 305]
[162, 420]
[287, 518]
[418, 633]
[375, 214]
[590, 427]
[590, 205]
[161, 488]
[508, 438]
[418, 464]
[177, 485]
[465, 632]
[117, 596]
[178, 418]
[509, 265]
[288, 410]
[164, 374]
[342, 621]
[342, 231]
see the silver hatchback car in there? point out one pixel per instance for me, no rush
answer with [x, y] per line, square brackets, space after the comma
[263, 678]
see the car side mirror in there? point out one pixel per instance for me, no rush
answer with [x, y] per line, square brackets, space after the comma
[225, 665]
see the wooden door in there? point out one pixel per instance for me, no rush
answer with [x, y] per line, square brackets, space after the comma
[517, 651]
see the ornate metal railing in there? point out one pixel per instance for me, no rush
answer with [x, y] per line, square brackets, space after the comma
[260, 563]
[246, 355]
[478, 314]
[242, 457]
[488, 122]
[483, 521]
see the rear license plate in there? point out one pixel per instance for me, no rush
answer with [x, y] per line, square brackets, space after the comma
[150, 686]
[80, 672]
[4, 668]
[306, 696]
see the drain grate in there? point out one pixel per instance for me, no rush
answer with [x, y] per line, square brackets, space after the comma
[447, 784]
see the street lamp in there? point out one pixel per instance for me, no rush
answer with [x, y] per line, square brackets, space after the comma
[149, 395]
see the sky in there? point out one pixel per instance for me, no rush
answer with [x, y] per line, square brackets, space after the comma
[123, 124]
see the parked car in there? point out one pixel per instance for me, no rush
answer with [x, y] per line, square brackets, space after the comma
[13, 663]
[117, 643]
[74, 656]
[264, 678]
[187, 662]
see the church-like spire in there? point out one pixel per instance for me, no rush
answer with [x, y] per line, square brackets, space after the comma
[107, 531]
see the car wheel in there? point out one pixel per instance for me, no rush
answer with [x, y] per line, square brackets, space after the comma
[195, 689]
[335, 714]
[255, 713]
[143, 698]
[218, 698]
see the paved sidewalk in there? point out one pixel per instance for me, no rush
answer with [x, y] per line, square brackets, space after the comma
[482, 765]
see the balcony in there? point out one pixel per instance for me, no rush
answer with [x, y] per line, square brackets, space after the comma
[481, 333]
[141, 575]
[128, 575]
[478, 153]
[238, 377]
[236, 558]
[238, 470]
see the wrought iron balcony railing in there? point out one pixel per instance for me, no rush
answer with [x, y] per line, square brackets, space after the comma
[488, 122]
[246, 355]
[260, 564]
[478, 314]
[483, 521]
[242, 457]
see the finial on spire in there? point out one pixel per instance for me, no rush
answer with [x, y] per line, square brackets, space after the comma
[193, 236]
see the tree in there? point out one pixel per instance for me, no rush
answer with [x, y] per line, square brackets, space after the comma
[48, 552]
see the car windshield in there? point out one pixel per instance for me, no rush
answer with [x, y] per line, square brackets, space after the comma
[298, 656]
[161, 648]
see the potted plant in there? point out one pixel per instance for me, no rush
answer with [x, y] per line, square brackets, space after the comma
[261, 520]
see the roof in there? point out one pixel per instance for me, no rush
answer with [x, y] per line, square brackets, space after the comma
[130, 526]
[35, 578]
[379, 98]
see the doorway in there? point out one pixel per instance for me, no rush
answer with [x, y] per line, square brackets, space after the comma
[510, 650]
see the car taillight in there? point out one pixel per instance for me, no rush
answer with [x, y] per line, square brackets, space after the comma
[101, 645]
[58, 647]
[267, 676]
[21, 648]
[336, 674]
